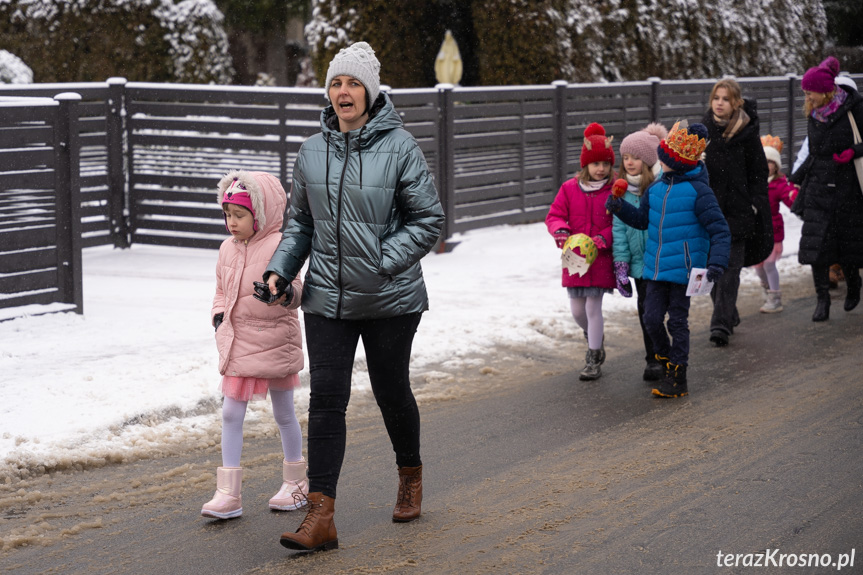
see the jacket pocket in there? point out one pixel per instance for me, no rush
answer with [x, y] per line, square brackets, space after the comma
[260, 324]
[687, 259]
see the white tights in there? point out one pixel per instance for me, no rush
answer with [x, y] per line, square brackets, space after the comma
[587, 312]
[233, 414]
[768, 274]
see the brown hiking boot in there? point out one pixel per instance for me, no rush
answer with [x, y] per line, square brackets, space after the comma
[409, 502]
[317, 532]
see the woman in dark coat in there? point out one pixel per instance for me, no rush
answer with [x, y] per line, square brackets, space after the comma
[830, 201]
[738, 174]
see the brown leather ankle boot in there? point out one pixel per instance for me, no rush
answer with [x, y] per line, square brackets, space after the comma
[410, 498]
[317, 531]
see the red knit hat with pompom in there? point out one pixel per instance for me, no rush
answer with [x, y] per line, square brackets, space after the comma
[596, 147]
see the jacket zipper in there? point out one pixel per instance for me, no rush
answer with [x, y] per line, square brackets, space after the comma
[659, 231]
[339, 223]
[687, 258]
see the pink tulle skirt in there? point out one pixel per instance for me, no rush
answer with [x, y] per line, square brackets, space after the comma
[252, 388]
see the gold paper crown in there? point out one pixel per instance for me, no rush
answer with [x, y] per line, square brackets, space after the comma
[688, 146]
[772, 142]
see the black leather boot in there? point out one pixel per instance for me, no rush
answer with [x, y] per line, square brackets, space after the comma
[852, 284]
[821, 277]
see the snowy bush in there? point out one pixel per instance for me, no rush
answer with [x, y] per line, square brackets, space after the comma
[617, 40]
[13, 70]
[531, 56]
[538, 41]
[142, 40]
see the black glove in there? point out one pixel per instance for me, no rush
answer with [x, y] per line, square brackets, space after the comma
[262, 291]
[612, 204]
[217, 320]
[714, 272]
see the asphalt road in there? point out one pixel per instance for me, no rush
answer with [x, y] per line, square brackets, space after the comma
[536, 472]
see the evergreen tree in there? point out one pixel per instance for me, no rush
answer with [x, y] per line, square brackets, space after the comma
[537, 41]
[142, 40]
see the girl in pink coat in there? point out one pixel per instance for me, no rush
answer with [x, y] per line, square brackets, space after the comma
[579, 208]
[260, 346]
[778, 190]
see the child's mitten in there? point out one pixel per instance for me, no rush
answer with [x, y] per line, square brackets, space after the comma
[621, 275]
[599, 241]
[217, 320]
[714, 272]
[560, 237]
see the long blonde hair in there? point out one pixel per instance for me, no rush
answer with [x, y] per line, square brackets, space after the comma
[647, 176]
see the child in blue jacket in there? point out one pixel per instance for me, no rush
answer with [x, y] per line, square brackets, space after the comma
[686, 229]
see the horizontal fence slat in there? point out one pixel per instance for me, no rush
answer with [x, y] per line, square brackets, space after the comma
[28, 237]
[200, 141]
[22, 260]
[28, 281]
[177, 241]
[44, 298]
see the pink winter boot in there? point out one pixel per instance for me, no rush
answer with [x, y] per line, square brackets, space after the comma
[227, 503]
[295, 487]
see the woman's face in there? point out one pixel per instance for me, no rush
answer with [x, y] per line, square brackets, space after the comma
[815, 99]
[721, 104]
[632, 165]
[239, 221]
[348, 96]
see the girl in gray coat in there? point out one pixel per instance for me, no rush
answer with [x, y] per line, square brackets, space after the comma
[364, 211]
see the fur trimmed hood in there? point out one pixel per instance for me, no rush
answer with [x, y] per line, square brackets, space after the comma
[268, 197]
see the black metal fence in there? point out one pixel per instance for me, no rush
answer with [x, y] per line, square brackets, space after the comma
[40, 213]
[151, 154]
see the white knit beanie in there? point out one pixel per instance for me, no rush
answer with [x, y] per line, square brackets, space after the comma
[357, 61]
[773, 155]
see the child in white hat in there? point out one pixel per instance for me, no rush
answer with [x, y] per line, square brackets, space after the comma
[778, 190]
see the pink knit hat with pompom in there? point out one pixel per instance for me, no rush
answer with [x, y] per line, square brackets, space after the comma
[643, 143]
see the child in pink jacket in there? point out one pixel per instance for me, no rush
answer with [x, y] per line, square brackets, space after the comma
[778, 190]
[579, 208]
[260, 346]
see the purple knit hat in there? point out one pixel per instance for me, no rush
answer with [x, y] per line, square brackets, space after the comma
[821, 78]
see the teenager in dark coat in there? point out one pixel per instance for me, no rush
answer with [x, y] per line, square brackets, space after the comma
[830, 201]
[738, 176]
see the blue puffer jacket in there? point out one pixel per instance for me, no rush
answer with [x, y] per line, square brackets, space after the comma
[685, 226]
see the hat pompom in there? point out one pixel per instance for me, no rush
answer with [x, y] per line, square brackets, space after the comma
[699, 130]
[832, 64]
[594, 129]
[657, 129]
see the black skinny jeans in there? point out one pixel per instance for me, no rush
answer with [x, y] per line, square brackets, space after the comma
[332, 344]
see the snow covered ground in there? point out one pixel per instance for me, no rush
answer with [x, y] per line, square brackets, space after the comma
[136, 376]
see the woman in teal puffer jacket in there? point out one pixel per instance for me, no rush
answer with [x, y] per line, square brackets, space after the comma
[364, 211]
